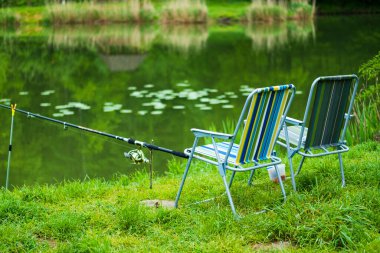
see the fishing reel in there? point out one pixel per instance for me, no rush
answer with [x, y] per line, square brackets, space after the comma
[137, 156]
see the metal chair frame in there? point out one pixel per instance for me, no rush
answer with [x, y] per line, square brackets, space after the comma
[323, 150]
[223, 164]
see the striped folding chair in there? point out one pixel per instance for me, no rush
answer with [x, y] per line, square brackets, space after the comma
[261, 119]
[323, 128]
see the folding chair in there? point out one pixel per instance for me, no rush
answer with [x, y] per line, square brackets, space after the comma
[323, 128]
[261, 119]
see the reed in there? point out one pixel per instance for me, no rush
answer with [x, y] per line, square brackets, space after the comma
[267, 11]
[132, 11]
[184, 11]
[300, 10]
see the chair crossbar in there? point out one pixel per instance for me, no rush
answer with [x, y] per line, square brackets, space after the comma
[327, 114]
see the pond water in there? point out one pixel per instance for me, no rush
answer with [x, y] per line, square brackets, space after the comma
[153, 84]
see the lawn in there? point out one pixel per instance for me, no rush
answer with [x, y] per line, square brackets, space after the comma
[106, 216]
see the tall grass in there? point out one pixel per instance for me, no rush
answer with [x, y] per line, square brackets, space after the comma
[267, 11]
[300, 10]
[365, 125]
[136, 11]
[184, 11]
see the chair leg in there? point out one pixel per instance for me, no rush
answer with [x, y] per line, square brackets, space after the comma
[251, 177]
[232, 178]
[342, 170]
[280, 181]
[300, 166]
[185, 173]
[229, 195]
[292, 173]
[182, 182]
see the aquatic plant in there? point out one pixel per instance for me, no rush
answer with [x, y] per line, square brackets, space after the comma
[184, 11]
[136, 11]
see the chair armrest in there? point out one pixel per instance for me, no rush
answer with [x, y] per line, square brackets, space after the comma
[293, 121]
[205, 133]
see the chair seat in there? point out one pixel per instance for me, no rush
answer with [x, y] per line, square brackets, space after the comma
[208, 150]
[294, 135]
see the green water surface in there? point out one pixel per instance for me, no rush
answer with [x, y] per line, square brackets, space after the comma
[153, 84]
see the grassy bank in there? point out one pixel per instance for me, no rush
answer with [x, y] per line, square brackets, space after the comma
[105, 216]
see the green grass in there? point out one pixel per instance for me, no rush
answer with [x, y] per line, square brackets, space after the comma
[105, 216]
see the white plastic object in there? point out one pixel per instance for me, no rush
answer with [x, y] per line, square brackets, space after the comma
[273, 175]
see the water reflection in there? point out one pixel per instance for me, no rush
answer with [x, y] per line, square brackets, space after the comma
[136, 38]
[104, 38]
[182, 38]
[185, 37]
[271, 36]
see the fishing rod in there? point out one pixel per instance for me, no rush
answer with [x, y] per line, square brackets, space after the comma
[120, 138]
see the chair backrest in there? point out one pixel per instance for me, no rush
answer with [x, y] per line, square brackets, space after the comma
[330, 99]
[264, 119]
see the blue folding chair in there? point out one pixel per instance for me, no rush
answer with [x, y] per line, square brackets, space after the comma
[262, 117]
[323, 128]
